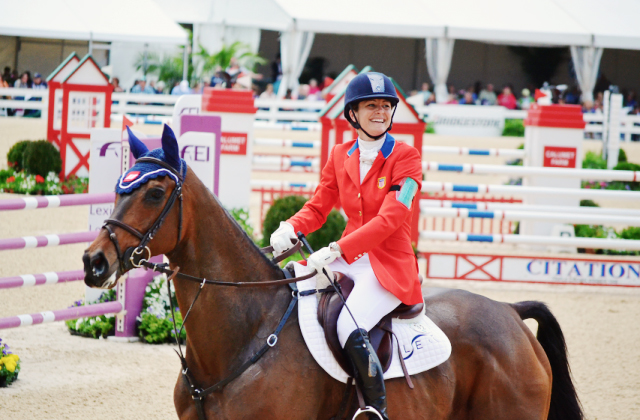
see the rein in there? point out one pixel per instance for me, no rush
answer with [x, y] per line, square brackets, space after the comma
[132, 258]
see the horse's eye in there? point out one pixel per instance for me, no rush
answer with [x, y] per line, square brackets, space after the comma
[154, 194]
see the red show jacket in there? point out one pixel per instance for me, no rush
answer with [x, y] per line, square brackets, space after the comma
[378, 223]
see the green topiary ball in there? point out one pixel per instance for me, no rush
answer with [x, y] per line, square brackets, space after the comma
[41, 157]
[16, 155]
[283, 208]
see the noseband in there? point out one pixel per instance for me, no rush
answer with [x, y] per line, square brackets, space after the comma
[135, 257]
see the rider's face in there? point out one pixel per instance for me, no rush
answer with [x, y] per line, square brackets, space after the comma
[374, 116]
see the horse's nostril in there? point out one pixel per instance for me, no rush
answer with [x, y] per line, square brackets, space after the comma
[99, 264]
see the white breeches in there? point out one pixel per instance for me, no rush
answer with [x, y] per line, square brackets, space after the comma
[368, 301]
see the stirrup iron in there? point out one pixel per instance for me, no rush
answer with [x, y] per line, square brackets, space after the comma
[367, 409]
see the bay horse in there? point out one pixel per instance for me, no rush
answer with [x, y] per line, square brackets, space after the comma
[498, 369]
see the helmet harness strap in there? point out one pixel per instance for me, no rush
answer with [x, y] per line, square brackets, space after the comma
[358, 126]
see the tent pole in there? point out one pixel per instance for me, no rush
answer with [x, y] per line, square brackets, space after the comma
[185, 65]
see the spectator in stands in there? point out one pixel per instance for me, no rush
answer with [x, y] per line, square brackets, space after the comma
[115, 82]
[276, 72]
[425, 92]
[314, 89]
[6, 76]
[452, 93]
[268, 92]
[588, 107]
[572, 95]
[142, 87]
[630, 100]
[160, 87]
[181, 89]
[303, 92]
[24, 81]
[525, 100]
[507, 99]
[488, 96]
[3, 82]
[38, 83]
[467, 99]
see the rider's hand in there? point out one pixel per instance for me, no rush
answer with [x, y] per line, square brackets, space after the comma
[281, 239]
[320, 260]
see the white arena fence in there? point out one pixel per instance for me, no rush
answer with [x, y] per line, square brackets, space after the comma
[272, 113]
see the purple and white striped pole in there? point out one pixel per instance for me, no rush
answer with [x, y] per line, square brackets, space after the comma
[47, 240]
[26, 280]
[60, 315]
[48, 201]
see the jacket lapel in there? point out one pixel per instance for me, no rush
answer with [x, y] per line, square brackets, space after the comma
[352, 166]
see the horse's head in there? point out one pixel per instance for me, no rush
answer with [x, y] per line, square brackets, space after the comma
[147, 215]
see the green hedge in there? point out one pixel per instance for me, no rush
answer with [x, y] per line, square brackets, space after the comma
[284, 208]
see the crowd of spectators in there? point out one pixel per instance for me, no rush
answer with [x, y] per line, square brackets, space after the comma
[475, 95]
[11, 79]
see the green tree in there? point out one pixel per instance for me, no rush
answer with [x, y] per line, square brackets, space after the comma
[222, 58]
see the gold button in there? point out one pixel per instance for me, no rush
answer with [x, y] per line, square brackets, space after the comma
[360, 255]
[358, 195]
[360, 213]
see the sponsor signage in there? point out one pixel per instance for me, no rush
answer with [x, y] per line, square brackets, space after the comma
[466, 120]
[559, 157]
[533, 269]
[233, 143]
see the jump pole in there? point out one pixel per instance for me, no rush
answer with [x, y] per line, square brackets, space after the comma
[49, 201]
[445, 150]
[428, 202]
[61, 315]
[577, 193]
[588, 174]
[26, 280]
[47, 240]
[594, 243]
[529, 215]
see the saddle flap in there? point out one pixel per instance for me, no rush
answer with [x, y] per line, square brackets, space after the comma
[329, 309]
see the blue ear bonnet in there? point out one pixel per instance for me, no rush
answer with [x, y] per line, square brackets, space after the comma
[142, 172]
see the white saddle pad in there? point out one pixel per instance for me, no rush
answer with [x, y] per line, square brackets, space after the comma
[423, 345]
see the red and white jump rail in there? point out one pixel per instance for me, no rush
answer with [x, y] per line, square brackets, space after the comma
[283, 163]
[514, 153]
[594, 243]
[26, 280]
[424, 203]
[61, 315]
[514, 215]
[47, 240]
[589, 174]
[49, 201]
[286, 143]
[582, 193]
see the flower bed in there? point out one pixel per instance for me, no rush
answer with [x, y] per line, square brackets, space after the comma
[9, 365]
[155, 325]
[100, 326]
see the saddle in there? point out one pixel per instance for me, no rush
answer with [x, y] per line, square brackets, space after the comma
[329, 309]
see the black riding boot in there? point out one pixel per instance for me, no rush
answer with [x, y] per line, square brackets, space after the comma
[367, 371]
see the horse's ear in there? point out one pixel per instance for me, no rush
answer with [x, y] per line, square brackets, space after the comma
[170, 147]
[137, 147]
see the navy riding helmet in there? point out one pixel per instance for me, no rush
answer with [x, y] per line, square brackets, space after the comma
[369, 86]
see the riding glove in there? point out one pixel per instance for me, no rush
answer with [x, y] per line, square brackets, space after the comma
[320, 260]
[281, 239]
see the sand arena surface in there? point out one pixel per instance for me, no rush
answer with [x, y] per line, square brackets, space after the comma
[67, 377]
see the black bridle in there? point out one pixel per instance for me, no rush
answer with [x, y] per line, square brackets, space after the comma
[133, 258]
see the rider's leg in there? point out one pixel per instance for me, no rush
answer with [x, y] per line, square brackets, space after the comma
[368, 302]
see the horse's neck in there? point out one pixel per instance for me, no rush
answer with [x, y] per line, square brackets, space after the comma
[225, 321]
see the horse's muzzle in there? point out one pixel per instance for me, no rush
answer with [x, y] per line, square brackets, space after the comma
[97, 271]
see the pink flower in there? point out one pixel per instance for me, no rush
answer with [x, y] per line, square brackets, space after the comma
[11, 179]
[39, 179]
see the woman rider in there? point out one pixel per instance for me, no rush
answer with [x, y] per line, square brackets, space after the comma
[376, 179]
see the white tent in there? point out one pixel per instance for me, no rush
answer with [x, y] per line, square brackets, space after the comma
[116, 20]
[586, 25]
